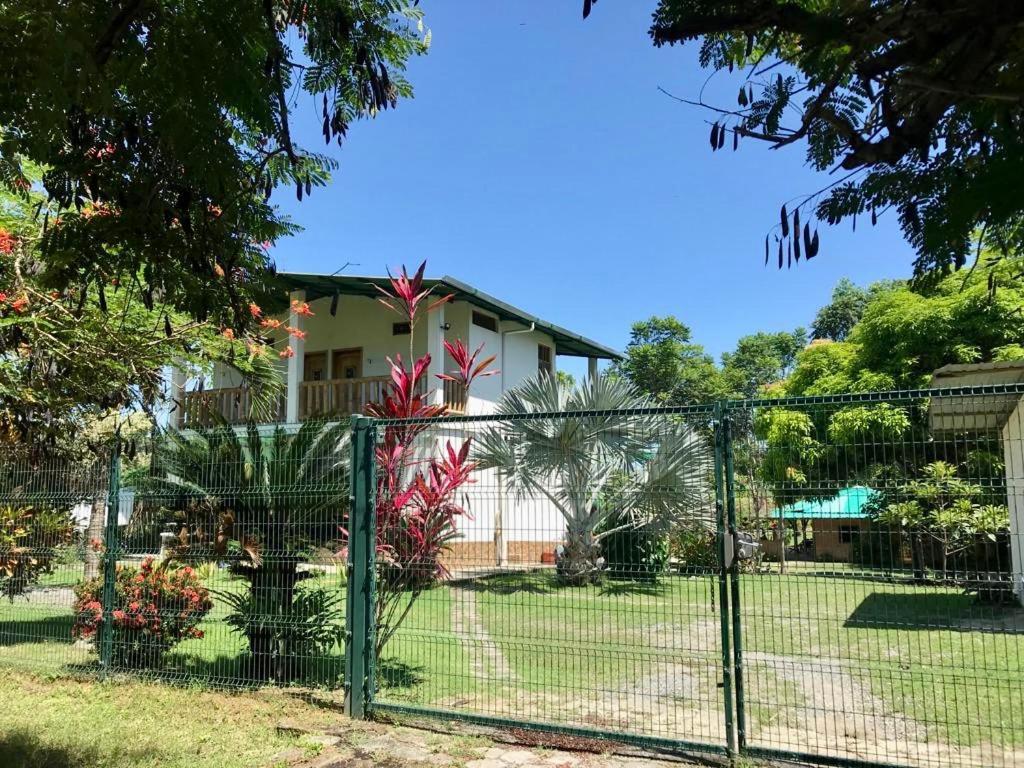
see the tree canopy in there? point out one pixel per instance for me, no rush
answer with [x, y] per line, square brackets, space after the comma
[918, 107]
[163, 128]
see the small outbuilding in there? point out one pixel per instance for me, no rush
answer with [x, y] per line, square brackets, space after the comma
[825, 528]
[998, 411]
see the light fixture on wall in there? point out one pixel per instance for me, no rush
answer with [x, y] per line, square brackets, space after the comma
[334, 304]
[446, 326]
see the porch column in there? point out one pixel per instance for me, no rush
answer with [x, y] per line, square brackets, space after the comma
[435, 348]
[592, 368]
[1013, 458]
[298, 346]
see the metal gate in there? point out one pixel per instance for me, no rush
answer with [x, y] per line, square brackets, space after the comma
[822, 579]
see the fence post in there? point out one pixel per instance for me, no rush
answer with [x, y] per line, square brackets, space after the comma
[361, 544]
[734, 580]
[724, 556]
[111, 549]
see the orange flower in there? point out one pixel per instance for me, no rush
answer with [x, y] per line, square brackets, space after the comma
[228, 334]
[215, 210]
[301, 308]
[20, 304]
[271, 323]
[254, 310]
[298, 334]
[285, 353]
[7, 241]
[218, 270]
[3, 297]
[255, 350]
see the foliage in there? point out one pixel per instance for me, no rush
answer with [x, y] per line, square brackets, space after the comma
[663, 363]
[918, 104]
[156, 607]
[761, 359]
[592, 467]
[70, 357]
[416, 499]
[693, 549]
[176, 122]
[638, 553]
[942, 512]
[836, 319]
[259, 499]
[905, 334]
[308, 627]
[31, 540]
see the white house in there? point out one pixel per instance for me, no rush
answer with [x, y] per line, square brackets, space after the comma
[341, 365]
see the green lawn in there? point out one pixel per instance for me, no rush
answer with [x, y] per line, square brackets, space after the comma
[953, 666]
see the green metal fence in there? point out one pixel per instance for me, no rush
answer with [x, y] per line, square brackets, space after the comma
[829, 579]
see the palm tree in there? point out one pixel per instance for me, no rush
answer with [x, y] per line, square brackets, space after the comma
[260, 500]
[593, 452]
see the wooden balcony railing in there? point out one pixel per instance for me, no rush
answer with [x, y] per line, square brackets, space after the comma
[455, 396]
[331, 397]
[232, 404]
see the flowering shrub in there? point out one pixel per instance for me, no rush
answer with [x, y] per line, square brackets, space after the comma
[155, 607]
[29, 543]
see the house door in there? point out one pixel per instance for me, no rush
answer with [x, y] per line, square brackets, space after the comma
[314, 367]
[348, 365]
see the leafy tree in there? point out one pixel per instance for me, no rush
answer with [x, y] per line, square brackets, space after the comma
[906, 333]
[918, 104]
[761, 359]
[663, 363]
[639, 468]
[163, 128]
[836, 319]
[29, 541]
[68, 358]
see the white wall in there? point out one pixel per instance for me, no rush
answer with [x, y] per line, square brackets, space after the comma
[1013, 456]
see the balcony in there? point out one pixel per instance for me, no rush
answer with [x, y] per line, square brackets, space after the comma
[335, 398]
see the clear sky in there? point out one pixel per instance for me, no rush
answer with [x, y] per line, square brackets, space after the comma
[539, 162]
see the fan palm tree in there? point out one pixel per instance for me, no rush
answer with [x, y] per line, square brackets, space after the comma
[261, 501]
[593, 452]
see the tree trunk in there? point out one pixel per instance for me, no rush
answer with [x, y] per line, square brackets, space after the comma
[94, 534]
[581, 562]
[271, 627]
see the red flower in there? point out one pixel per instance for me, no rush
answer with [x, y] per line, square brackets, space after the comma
[301, 308]
[285, 353]
[407, 293]
[254, 310]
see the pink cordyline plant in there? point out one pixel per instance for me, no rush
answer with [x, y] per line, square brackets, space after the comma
[416, 508]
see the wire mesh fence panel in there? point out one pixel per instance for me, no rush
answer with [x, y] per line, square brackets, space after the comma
[558, 570]
[52, 517]
[880, 621]
[229, 565]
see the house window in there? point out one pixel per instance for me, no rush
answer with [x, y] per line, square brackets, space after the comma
[400, 329]
[846, 533]
[485, 321]
[544, 359]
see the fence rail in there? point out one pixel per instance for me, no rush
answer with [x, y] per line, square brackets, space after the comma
[829, 579]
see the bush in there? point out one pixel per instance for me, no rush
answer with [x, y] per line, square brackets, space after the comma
[636, 552]
[694, 549]
[30, 542]
[156, 607]
[284, 637]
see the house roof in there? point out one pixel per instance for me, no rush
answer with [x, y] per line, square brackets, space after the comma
[979, 412]
[566, 342]
[847, 504]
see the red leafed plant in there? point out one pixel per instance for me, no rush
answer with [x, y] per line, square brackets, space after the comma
[418, 480]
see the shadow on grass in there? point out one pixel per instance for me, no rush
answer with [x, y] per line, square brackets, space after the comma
[533, 582]
[25, 749]
[395, 673]
[30, 629]
[930, 611]
[619, 587]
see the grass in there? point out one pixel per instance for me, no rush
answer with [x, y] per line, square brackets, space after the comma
[954, 666]
[46, 723]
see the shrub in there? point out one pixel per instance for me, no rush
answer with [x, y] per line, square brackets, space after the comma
[156, 606]
[693, 549]
[30, 542]
[633, 552]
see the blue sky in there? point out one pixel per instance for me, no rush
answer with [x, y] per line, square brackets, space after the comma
[539, 162]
